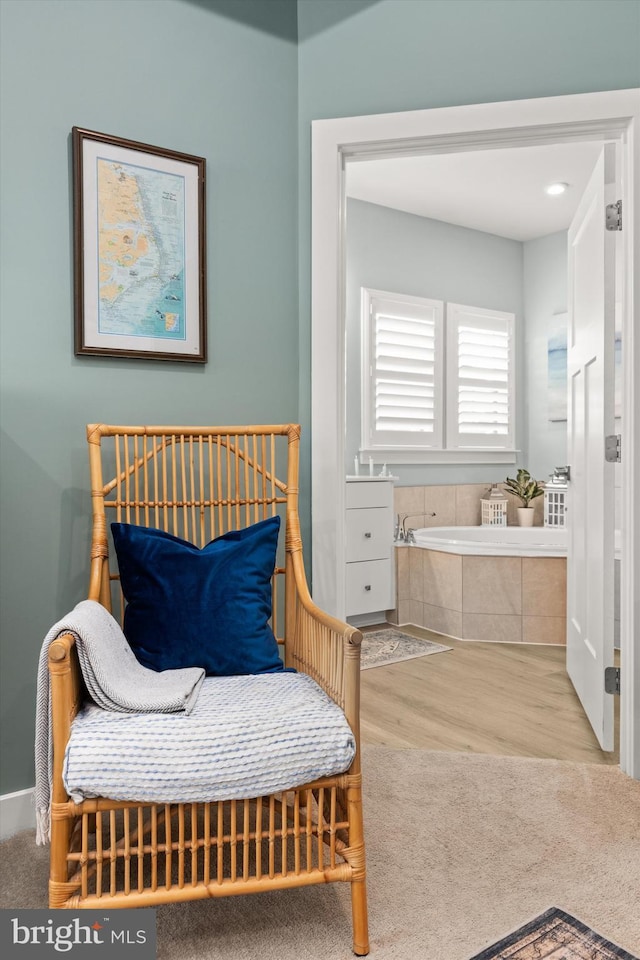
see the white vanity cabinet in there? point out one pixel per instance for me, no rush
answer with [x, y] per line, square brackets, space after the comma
[370, 584]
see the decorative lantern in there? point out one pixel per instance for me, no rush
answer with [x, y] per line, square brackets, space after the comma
[494, 508]
[555, 496]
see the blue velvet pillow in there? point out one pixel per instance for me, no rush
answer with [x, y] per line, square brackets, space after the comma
[192, 607]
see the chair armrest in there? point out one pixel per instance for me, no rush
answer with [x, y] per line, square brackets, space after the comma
[324, 647]
[67, 694]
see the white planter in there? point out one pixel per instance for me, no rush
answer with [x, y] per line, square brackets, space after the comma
[525, 516]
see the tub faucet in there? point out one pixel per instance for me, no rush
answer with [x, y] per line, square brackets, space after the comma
[404, 535]
[396, 528]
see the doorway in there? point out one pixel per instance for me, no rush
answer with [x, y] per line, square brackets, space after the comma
[480, 228]
[489, 126]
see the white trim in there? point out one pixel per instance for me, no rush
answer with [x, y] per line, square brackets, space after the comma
[328, 343]
[630, 528]
[420, 455]
[17, 812]
[603, 115]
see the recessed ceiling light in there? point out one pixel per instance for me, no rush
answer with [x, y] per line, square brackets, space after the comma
[555, 189]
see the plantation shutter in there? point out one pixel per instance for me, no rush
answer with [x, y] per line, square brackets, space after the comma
[479, 378]
[404, 380]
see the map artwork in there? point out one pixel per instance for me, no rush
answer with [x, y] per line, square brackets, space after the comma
[141, 251]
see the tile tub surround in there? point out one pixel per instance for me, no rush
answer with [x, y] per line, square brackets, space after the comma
[454, 505]
[503, 599]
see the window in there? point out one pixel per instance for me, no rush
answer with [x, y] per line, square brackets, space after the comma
[479, 378]
[437, 380]
[403, 369]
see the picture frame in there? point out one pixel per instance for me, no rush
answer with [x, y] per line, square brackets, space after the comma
[139, 250]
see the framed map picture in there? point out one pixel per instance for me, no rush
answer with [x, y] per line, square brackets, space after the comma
[139, 250]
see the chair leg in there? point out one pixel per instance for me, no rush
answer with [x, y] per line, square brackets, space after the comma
[58, 867]
[360, 917]
[357, 860]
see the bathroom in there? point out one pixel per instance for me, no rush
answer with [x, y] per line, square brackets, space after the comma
[430, 228]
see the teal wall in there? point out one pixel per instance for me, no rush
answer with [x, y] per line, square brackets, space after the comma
[179, 75]
[222, 79]
[402, 253]
[411, 54]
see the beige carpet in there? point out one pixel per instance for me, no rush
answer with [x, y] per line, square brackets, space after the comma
[462, 849]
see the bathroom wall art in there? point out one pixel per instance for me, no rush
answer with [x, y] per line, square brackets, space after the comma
[557, 368]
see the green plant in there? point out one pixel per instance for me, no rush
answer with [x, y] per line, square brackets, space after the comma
[524, 487]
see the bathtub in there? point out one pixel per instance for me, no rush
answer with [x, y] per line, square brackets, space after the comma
[485, 583]
[494, 541]
[500, 541]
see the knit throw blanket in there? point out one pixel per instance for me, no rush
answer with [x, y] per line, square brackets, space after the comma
[115, 680]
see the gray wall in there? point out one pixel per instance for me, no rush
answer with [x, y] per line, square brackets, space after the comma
[545, 294]
[218, 79]
[178, 75]
[402, 253]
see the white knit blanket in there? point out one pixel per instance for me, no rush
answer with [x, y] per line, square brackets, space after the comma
[247, 736]
[115, 680]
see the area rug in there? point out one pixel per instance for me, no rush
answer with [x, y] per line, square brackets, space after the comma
[461, 848]
[555, 935]
[380, 647]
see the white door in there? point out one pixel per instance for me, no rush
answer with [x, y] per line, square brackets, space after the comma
[590, 360]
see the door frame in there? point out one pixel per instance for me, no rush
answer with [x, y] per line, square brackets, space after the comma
[608, 115]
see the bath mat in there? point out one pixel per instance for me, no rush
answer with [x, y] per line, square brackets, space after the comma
[558, 936]
[380, 647]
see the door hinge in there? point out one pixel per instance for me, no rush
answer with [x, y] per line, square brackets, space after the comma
[613, 448]
[613, 215]
[612, 680]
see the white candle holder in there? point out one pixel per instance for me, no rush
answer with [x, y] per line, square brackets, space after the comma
[494, 508]
[555, 498]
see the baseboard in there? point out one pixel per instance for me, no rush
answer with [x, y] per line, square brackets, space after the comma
[17, 812]
[368, 619]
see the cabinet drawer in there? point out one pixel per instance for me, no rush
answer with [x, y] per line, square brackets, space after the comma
[369, 534]
[369, 587]
[369, 493]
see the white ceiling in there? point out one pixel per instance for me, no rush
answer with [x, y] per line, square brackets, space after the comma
[496, 191]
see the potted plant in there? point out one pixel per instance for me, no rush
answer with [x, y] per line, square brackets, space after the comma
[526, 490]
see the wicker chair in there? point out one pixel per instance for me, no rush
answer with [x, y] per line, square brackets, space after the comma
[198, 483]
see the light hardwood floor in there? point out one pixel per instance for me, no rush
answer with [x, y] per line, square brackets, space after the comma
[510, 699]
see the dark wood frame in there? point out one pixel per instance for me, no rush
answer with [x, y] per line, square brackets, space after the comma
[79, 136]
